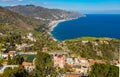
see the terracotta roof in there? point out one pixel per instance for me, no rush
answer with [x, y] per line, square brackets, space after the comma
[11, 52]
[103, 62]
[82, 58]
[92, 62]
[73, 75]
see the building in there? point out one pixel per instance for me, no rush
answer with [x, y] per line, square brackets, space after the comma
[44, 49]
[59, 60]
[28, 66]
[30, 37]
[12, 53]
[70, 61]
[73, 75]
[84, 42]
[77, 62]
[4, 55]
[91, 62]
[84, 65]
[77, 68]
[83, 61]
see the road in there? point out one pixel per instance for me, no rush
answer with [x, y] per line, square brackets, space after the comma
[5, 66]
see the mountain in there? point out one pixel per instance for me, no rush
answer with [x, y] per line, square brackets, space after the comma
[17, 21]
[43, 13]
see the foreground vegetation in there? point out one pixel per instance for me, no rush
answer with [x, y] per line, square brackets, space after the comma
[101, 48]
[101, 70]
[43, 67]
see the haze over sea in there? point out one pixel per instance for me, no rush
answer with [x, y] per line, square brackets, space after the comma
[93, 25]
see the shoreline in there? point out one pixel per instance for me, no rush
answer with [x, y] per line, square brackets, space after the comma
[54, 23]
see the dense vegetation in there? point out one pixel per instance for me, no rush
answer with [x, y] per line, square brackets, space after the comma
[11, 38]
[16, 72]
[16, 60]
[101, 70]
[44, 65]
[101, 48]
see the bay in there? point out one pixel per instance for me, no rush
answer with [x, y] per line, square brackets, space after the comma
[92, 25]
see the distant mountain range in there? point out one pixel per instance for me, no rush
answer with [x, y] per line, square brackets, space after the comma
[17, 21]
[31, 17]
[39, 12]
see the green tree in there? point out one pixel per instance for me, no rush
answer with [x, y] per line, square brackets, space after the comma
[0, 50]
[16, 60]
[44, 65]
[16, 72]
[102, 70]
[9, 60]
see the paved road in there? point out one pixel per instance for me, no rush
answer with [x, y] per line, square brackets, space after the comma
[5, 66]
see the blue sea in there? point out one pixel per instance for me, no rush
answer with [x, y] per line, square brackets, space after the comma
[93, 25]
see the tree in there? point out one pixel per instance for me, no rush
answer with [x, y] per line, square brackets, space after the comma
[15, 60]
[114, 71]
[0, 50]
[44, 65]
[16, 72]
[9, 60]
[102, 70]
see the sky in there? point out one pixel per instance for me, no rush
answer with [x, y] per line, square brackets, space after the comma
[84, 6]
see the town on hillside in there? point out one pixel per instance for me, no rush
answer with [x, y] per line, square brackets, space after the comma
[22, 54]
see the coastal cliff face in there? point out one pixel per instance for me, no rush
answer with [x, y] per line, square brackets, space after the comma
[43, 13]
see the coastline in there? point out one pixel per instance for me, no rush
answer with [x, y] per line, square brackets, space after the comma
[52, 25]
[55, 23]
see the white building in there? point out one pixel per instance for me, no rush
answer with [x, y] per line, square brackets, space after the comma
[70, 61]
[30, 37]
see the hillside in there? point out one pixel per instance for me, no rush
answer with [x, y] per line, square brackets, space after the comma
[101, 48]
[43, 13]
[17, 21]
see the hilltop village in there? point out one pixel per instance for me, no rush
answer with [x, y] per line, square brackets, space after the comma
[20, 51]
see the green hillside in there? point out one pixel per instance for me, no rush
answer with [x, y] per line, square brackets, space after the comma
[17, 21]
[96, 48]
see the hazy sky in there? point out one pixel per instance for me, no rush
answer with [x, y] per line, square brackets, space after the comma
[76, 5]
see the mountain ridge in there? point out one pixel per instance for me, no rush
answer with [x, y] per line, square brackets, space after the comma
[39, 12]
[15, 20]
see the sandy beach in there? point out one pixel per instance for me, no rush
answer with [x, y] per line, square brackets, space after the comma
[53, 24]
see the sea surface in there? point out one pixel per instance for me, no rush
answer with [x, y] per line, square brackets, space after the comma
[94, 25]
